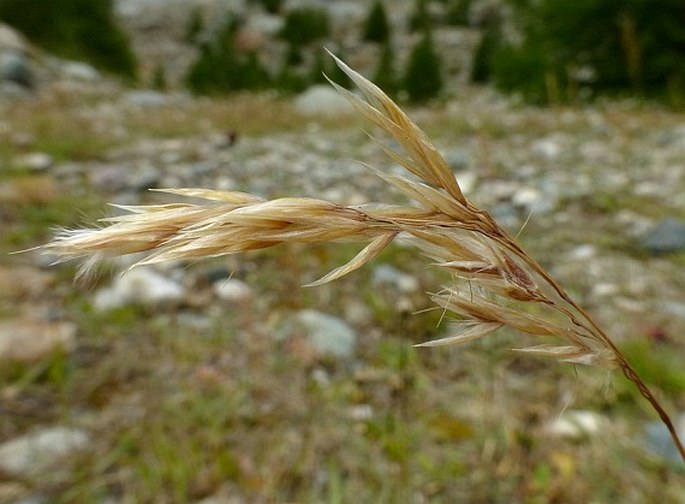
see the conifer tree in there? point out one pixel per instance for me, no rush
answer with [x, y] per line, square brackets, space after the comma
[423, 78]
[377, 28]
[385, 76]
[77, 29]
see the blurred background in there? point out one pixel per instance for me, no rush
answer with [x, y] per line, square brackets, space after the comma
[225, 381]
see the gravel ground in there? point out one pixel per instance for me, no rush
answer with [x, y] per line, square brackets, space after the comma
[584, 187]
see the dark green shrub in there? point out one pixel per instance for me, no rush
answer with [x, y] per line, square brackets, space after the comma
[602, 46]
[291, 80]
[195, 26]
[491, 43]
[304, 25]
[220, 68]
[458, 12]
[317, 73]
[420, 18]
[423, 78]
[385, 76]
[377, 28]
[77, 29]
[271, 6]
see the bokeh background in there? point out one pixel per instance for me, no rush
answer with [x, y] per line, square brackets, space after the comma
[225, 381]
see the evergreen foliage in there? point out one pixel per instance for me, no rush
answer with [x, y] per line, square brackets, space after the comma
[423, 78]
[458, 12]
[271, 6]
[195, 26]
[600, 46]
[420, 20]
[488, 50]
[220, 68]
[304, 25]
[377, 28]
[77, 29]
[385, 76]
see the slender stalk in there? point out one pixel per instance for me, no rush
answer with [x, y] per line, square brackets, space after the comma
[627, 369]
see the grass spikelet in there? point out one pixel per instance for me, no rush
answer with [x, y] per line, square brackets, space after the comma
[496, 283]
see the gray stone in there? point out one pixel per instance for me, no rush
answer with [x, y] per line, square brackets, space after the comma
[40, 451]
[11, 39]
[232, 290]
[15, 67]
[675, 308]
[36, 161]
[328, 334]
[141, 285]
[576, 424]
[146, 98]
[658, 441]
[388, 275]
[548, 148]
[79, 71]
[322, 100]
[666, 237]
[26, 340]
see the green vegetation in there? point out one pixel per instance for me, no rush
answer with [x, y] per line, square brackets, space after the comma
[195, 26]
[377, 28]
[271, 6]
[77, 29]
[304, 25]
[221, 68]
[420, 20]
[576, 49]
[385, 76]
[458, 12]
[423, 78]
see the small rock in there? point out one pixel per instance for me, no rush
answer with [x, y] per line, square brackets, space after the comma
[11, 39]
[141, 285]
[324, 334]
[40, 451]
[605, 289]
[79, 71]
[361, 412]
[658, 440]
[11, 491]
[667, 237]
[457, 160]
[28, 340]
[14, 67]
[582, 252]
[146, 98]
[576, 424]
[30, 190]
[547, 148]
[232, 290]
[328, 334]
[35, 161]
[322, 100]
[526, 197]
[24, 282]
[110, 178]
[388, 275]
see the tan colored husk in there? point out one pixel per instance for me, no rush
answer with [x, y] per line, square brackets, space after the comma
[496, 283]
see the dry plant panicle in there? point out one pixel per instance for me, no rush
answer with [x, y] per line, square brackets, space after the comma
[495, 282]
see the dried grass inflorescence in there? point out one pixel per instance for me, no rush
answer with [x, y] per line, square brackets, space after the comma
[495, 282]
